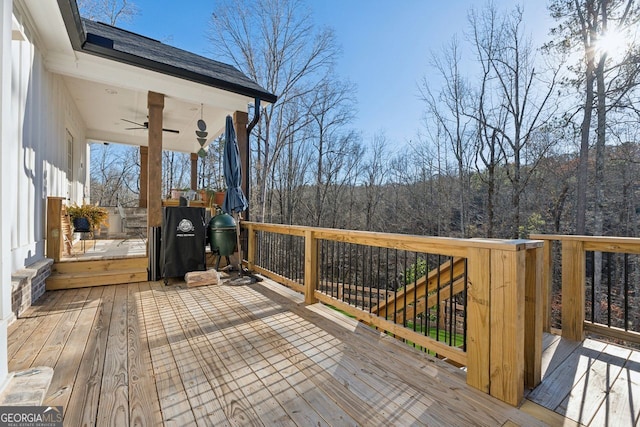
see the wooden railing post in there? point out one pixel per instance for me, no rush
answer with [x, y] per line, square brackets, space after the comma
[573, 289]
[502, 282]
[310, 267]
[54, 228]
[547, 284]
[478, 318]
[533, 317]
[251, 247]
[507, 325]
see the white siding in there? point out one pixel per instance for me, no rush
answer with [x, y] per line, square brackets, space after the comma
[42, 111]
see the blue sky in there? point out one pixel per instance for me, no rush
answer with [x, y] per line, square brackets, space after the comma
[385, 47]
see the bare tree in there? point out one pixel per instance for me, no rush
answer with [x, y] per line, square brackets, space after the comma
[604, 81]
[114, 172]
[330, 109]
[210, 169]
[275, 43]
[522, 103]
[485, 37]
[375, 173]
[176, 171]
[446, 110]
[290, 182]
[109, 11]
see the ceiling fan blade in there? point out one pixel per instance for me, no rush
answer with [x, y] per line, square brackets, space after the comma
[135, 123]
[145, 125]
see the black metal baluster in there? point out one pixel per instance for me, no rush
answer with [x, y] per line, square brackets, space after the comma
[378, 280]
[626, 292]
[370, 278]
[608, 288]
[341, 269]
[464, 313]
[593, 287]
[386, 285]
[415, 289]
[438, 298]
[452, 304]
[354, 288]
[404, 289]
[395, 287]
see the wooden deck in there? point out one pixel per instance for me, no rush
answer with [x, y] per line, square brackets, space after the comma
[146, 354]
[592, 383]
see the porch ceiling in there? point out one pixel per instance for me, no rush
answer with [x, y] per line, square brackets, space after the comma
[111, 83]
[106, 92]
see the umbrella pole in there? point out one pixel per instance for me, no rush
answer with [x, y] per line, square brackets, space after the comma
[239, 247]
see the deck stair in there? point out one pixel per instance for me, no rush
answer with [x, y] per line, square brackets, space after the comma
[82, 274]
[422, 294]
[133, 223]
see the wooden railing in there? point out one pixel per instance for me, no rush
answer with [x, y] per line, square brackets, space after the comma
[500, 301]
[597, 274]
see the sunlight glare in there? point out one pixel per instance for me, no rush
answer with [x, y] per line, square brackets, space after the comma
[613, 43]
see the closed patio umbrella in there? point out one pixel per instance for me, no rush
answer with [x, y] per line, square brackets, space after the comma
[235, 201]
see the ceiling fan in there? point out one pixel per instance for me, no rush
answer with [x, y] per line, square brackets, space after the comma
[145, 125]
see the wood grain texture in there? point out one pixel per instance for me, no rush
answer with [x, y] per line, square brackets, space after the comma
[507, 325]
[46, 342]
[113, 407]
[256, 355]
[95, 266]
[54, 228]
[144, 407]
[179, 331]
[173, 399]
[310, 267]
[37, 314]
[573, 290]
[559, 383]
[66, 368]
[533, 317]
[479, 319]
[583, 402]
[82, 408]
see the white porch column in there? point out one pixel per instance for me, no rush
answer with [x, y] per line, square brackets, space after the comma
[6, 192]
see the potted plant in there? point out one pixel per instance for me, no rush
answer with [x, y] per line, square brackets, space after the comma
[87, 217]
[218, 198]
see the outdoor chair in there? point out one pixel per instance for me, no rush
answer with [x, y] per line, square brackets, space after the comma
[123, 226]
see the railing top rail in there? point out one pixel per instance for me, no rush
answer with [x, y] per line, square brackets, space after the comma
[597, 243]
[607, 239]
[447, 245]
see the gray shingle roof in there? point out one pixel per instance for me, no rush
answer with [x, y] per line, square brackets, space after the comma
[134, 49]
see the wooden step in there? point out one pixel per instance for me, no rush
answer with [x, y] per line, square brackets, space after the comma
[95, 266]
[82, 274]
[84, 280]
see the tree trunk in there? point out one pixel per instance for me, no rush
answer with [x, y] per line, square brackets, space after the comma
[583, 164]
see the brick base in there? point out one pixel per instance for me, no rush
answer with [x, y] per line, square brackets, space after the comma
[28, 284]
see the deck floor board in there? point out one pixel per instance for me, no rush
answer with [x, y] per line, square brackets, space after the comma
[146, 354]
[591, 383]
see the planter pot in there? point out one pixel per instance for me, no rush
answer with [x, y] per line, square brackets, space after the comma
[81, 225]
[218, 198]
[175, 193]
